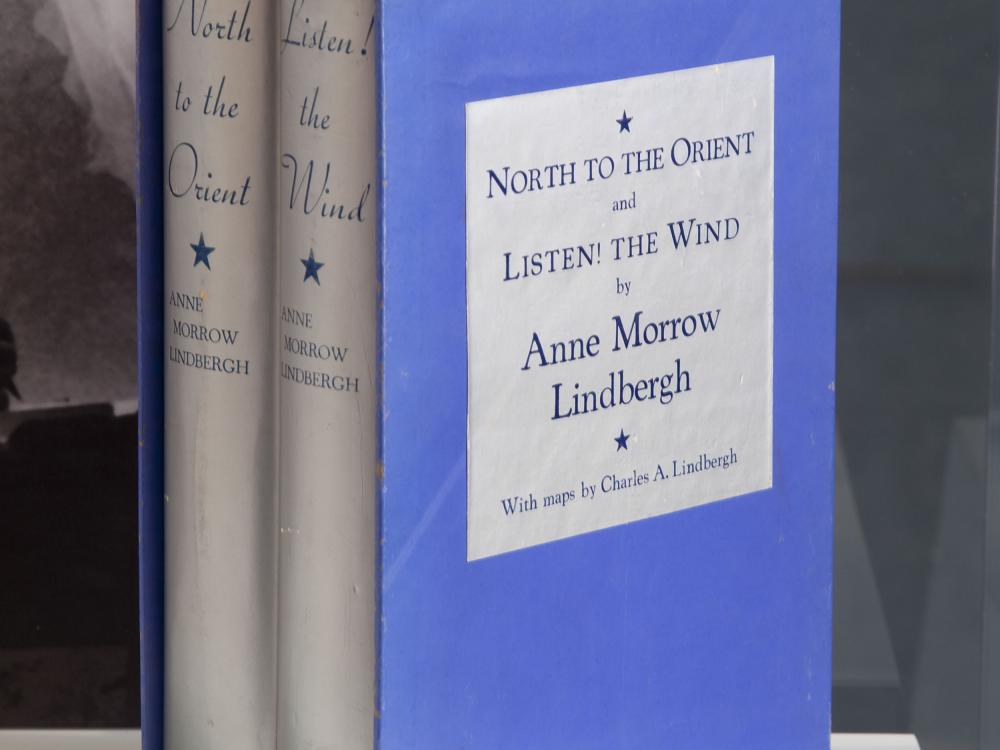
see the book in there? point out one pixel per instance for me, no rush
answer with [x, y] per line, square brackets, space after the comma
[326, 380]
[602, 384]
[219, 488]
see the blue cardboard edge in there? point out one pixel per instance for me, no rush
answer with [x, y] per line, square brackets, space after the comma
[149, 226]
[380, 563]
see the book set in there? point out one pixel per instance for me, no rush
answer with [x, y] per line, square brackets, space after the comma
[486, 353]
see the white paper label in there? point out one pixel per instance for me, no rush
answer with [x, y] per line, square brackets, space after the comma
[620, 301]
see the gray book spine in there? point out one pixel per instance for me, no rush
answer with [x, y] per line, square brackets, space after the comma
[220, 504]
[327, 373]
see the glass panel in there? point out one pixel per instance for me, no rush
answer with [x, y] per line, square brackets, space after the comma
[918, 136]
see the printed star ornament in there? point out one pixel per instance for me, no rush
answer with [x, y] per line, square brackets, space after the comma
[202, 251]
[623, 123]
[312, 267]
[622, 441]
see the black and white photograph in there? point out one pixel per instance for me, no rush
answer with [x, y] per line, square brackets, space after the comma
[68, 376]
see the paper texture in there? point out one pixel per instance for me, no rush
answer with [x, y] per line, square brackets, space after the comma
[620, 301]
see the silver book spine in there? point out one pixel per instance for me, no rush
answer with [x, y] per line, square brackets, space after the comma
[220, 495]
[327, 373]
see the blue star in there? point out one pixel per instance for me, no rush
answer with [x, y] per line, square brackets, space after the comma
[312, 267]
[623, 123]
[622, 441]
[202, 251]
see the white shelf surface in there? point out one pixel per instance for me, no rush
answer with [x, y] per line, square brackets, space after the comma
[70, 739]
[874, 742]
[128, 739]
